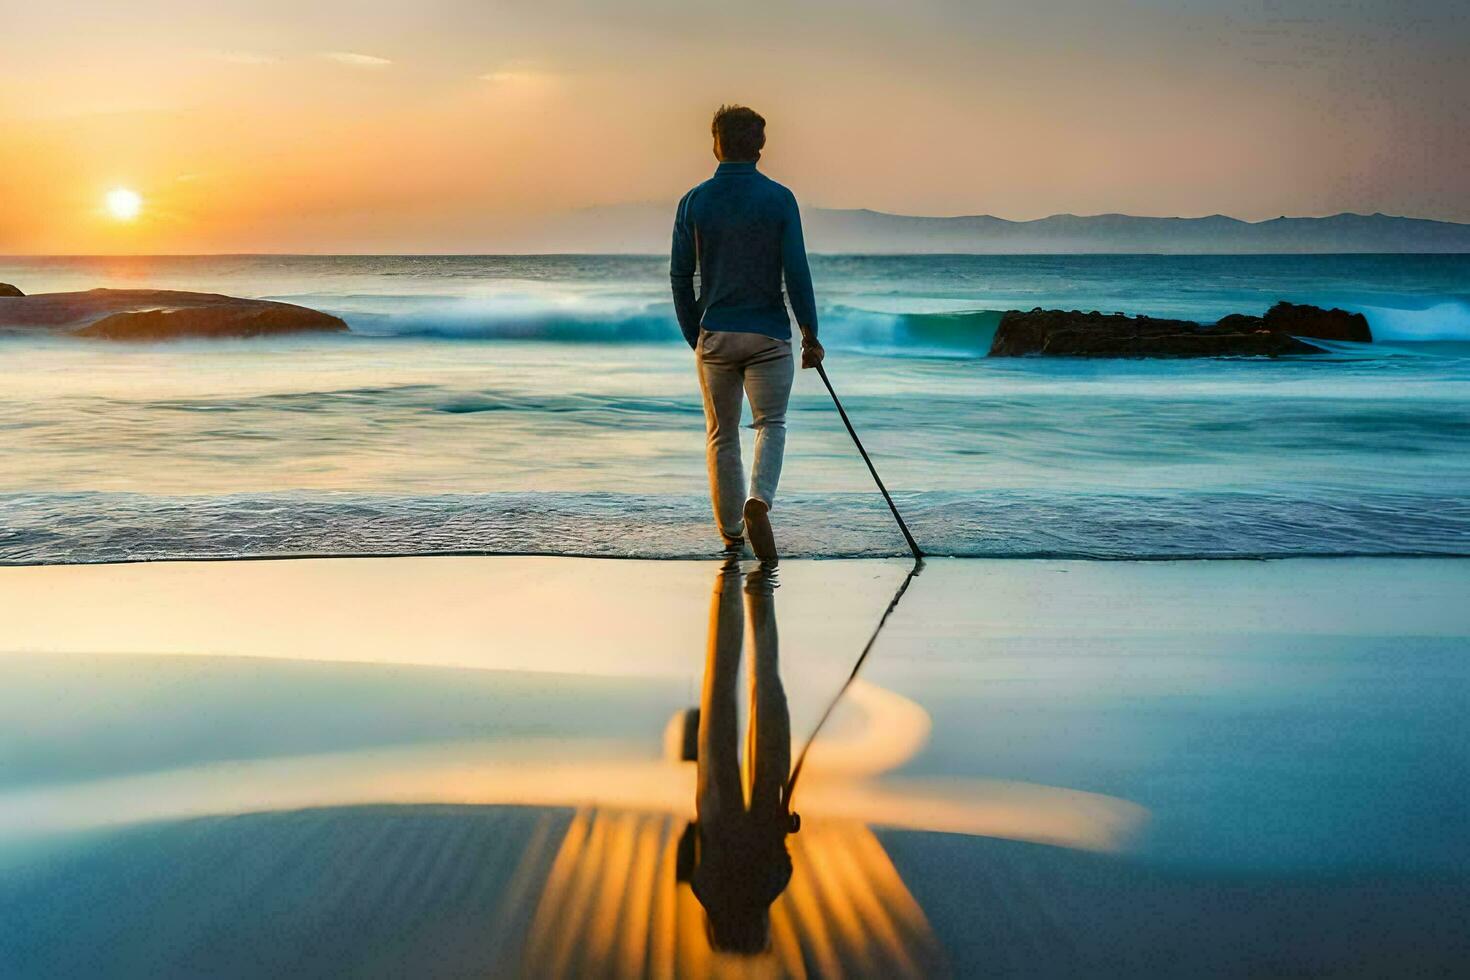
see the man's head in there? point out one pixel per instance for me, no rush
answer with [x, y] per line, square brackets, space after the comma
[736, 871]
[739, 134]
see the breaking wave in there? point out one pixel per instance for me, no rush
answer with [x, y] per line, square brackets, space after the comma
[961, 332]
[1442, 321]
[577, 320]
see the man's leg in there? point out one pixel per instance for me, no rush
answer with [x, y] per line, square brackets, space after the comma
[720, 379]
[768, 376]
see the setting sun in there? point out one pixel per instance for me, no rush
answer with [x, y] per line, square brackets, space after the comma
[124, 204]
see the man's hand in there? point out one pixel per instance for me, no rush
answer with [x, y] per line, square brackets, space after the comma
[812, 352]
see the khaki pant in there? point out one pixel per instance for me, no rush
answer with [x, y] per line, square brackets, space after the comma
[761, 368]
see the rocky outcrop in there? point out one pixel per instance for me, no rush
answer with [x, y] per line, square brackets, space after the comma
[6, 289]
[160, 314]
[1313, 321]
[254, 320]
[1061, 333]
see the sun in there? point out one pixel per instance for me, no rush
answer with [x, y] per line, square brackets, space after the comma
[123, 203]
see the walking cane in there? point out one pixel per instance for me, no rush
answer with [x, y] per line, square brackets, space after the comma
[913, 545]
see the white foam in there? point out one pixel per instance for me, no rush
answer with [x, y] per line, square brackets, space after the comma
[1443, 321]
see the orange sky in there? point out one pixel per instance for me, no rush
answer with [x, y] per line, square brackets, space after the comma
[451, 125]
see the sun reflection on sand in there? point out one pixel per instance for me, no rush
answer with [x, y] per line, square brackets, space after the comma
[611, 905]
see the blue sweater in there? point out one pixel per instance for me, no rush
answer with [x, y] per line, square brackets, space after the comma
[741, 231]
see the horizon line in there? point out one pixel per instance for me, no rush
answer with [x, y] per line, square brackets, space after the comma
[662, 255]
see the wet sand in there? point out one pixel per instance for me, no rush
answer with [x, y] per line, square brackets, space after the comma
[447, 766]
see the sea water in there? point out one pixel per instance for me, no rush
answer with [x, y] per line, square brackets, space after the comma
[547, 404]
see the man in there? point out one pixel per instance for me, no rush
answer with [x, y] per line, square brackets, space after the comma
[741, 231]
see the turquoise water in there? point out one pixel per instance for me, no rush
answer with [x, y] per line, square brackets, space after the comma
[545, 404]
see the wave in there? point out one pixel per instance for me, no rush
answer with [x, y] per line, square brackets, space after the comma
[65, 528]
[1443, 321]
[965, 332]
[573, 318]
[471, 322]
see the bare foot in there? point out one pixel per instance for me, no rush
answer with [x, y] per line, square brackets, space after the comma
[758, 529]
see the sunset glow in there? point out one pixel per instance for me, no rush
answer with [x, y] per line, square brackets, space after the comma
[462, 131]
[124, 204]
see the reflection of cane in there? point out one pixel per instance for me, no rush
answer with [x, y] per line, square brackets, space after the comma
[913, 545]
[794, 820]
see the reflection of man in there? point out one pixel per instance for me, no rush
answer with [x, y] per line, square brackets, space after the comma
[741, 232]
[742, 864]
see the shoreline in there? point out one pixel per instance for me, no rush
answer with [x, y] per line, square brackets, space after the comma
[896, 556]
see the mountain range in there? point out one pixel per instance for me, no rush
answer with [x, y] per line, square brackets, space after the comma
[645, 228]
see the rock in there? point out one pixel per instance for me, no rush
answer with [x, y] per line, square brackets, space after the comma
[1313, 321]
[212, 321]
[1060, 333]
[1238, 323]
[160, 314]
[6, 289]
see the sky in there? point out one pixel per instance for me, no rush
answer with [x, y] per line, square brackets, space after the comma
[458, 125]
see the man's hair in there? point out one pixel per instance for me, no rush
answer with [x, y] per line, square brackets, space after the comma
[742, 132]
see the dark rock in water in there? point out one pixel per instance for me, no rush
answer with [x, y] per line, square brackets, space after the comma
[1296, 320]
[1313, 321]
[6, 289]
[1238, 323]
[1060, 333]
[160, 314]
[212, 321]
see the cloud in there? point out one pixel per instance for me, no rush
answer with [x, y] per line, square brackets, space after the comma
[357, 60]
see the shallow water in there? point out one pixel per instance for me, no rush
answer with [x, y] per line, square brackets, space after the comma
[544, 404]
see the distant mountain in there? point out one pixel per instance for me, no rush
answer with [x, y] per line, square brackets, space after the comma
[645, 228]
[865, 231]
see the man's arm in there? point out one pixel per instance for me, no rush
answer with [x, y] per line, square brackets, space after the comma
[682, 263]
[799, 285]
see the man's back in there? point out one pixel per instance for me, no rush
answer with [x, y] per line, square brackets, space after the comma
[741, 231]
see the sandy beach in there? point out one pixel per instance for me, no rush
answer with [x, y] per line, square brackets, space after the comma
[747, 490]
[375, 766]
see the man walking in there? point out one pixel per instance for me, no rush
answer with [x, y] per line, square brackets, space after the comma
[741, 231]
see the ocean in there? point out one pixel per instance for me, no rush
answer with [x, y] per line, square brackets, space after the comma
[546, 405]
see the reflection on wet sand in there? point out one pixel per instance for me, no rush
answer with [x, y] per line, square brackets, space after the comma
[739, 891]
[612, 905]
[575, 856]
[286, 812]
[737, 858]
